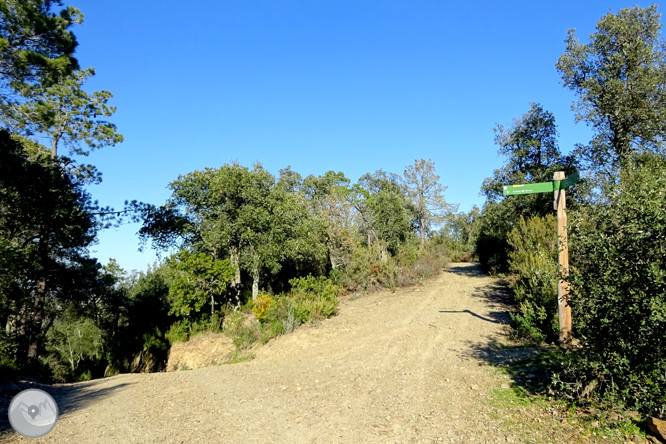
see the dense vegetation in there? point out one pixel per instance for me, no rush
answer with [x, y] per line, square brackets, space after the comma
[242, 243]
[617, 223]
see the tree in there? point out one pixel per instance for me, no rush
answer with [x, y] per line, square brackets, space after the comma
[427, 195]
[530, 146]
[386, 209]
[46, 222]
[36, 45]
[463, 228]
[76, 339]
[532, 155]
[620, 80]
[237, 213]
[326, 197]
[197, 278]
[65, 114]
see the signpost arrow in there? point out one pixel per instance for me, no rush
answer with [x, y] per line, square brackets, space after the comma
[558, 185]
[530, 188]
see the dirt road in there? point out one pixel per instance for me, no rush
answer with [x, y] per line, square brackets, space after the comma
[401, 367]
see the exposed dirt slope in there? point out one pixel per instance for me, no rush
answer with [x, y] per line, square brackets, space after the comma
[401, 367]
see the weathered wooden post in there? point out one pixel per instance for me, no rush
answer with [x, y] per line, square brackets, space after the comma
[558, 185]
[563, 307]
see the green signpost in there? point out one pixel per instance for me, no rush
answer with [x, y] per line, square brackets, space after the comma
[542, 187]
[558, 185]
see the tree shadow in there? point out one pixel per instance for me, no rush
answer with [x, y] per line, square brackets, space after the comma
[69, 397]
[497, 317]
[526, 364]
[472, 270]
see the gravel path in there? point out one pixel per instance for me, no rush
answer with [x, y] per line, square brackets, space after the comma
[401, 367]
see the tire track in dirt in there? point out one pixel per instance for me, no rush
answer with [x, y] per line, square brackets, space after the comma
[401, 367]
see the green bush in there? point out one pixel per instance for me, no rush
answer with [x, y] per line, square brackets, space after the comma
[534, 260]
[313, 298]
[618, 292]
[184, 329]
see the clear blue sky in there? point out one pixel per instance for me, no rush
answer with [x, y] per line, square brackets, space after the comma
[351, 86]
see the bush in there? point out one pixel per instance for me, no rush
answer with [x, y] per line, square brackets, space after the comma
[243, 328]
[183, 330]
[534, 261]
[313, 298]
[367, 271]
[618, 292]
[262, 305]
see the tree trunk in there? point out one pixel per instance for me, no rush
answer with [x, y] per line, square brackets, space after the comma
[40, 299]
[236, 281]
[422, 229]
[37, 317]
[384, 253]
[255, 283]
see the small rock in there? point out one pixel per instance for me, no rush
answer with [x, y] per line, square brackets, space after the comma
[474, 387]
[658, 427]
[505, 386]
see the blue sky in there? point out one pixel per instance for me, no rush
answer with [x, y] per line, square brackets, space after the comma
[350, 86]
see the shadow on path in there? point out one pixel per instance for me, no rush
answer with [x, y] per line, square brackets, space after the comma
[69, 398]
[494, 314]
[525, 364]
[471, 270]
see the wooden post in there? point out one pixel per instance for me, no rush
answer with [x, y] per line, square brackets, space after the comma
[563, 307]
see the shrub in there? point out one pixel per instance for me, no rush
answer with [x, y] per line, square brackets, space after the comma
[313, 298]
[262, 305]
[243, 328]
[184, 329]
[367, 271]
[618, 292]
[534, 261]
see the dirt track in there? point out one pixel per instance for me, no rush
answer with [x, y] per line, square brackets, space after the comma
[401, 367]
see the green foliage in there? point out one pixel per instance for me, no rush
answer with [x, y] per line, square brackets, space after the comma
[532, 156]
[46, 224]
[314, 298]
[185, 329]
[618, 291]
[196, 279]
[134, 317]
[36, 45]
[72, 341]
[367, 271]
[65, 114]
[461, 232]
[619, 79]
[385, 210]
[534, 260]
[237, 213]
